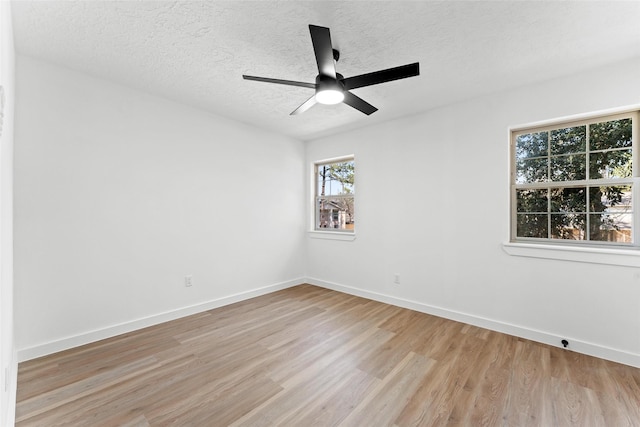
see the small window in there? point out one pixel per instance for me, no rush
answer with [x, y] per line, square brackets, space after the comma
[334, 195]
[573, 182]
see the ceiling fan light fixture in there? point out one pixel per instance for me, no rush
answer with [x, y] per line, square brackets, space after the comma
[328, 90]
[330, 96]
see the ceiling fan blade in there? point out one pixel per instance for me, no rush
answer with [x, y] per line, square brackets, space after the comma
[358, 103]
[305, 106]
[321, 39]
[401, 72]
[279, 81]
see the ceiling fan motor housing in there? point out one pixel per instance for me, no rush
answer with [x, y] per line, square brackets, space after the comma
[329, 83]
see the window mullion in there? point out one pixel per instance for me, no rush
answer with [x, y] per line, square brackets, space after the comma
[567, 154]
[548, 182]
[635, 172]
[587, 153]
[548, 213]
[587, 222]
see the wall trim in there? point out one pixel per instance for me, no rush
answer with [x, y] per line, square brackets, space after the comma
[591, 349]
[12, 388]
[122, 328]
[627, 257]
[583, 347]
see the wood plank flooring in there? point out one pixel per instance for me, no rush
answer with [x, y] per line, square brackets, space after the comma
[308, 356]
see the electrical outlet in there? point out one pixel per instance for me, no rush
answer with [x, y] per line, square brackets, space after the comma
[188, 281]
[396, 278]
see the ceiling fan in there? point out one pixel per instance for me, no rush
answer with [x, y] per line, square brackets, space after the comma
[331, 87]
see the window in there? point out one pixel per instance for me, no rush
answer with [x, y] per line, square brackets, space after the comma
[574, 182]
[334, 195]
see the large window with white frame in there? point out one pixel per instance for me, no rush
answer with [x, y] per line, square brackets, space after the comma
[335, 195]
[573, 182]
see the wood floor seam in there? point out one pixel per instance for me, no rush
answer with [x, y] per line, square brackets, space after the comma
[309, 356]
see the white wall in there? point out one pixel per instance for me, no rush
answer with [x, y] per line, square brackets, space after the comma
[432, 204]
[7, 347]
[120, 194]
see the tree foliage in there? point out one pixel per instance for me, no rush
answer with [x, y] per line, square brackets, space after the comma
[342, 172]
[336, 179]
[565, 158]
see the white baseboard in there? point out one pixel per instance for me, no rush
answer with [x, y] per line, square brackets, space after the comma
[576, 345]
[114, 330]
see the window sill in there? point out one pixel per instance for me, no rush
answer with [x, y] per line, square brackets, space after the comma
[610, 256]
[332, 235]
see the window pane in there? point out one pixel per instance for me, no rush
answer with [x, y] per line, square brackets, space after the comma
[533, 225]
[568, 168]
[610, 227]
[612, 134]
[568, 140]
[613, 217]
[610, 164]
[532, 200]
[532, 145]
[568, 226]
[531, 170]
[335, 212]
[335, 179]
[610, 199]
[569, 199]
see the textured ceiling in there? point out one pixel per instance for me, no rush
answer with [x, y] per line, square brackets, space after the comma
[195, 52]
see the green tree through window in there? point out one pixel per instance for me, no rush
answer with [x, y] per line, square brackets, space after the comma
[574, 182]
[334, 198]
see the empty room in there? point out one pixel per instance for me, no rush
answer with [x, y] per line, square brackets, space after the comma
[328, 213]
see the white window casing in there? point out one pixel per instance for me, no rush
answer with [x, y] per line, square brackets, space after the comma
[333, 198]
[551, 189]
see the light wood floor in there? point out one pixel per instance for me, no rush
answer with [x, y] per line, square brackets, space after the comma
[309, 356]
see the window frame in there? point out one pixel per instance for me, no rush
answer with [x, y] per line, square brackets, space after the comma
[633, 181]
[321, 232]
